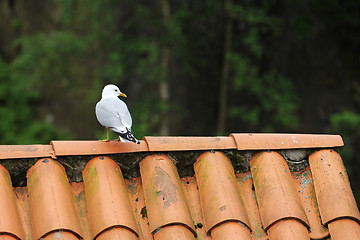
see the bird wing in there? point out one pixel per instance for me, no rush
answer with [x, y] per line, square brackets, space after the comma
[113, 113]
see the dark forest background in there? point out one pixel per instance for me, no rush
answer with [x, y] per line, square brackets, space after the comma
[188, 67]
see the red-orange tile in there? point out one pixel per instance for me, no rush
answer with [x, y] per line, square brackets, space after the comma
[288, 229]
[136, 196]
[118, 233]
[10, 223]
[78, 190]
[189, 143]
[275, 189]
[245, 184]
[173, 232]
[333, 192]
[344, 229]
[219, 194]
[189, 186]
[25, 151]
[230, 230]
[60, 235]
[305, 189]
[264, 141]
[164, 197]
[107, 197]
[69, 148]
[51, 200]
[6, 237]
[22, 201]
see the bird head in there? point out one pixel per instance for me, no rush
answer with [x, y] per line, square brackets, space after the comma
[112, 90]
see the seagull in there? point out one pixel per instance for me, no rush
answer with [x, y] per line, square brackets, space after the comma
[112, 113]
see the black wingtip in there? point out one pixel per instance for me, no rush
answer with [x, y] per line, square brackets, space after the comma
[128, 136]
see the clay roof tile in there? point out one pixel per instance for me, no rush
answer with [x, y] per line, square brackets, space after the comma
[10, 223]
[107, 197]
[332, 188]
[275, 190]
[219, 194]
[51, 200]
[164, 197]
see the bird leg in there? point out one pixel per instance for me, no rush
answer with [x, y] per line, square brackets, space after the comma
[107, 136]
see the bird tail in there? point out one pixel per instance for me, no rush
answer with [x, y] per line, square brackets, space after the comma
[127, 135]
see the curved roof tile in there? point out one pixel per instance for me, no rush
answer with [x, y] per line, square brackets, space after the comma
[333, 191]
[164, 197]
[219, 196]
[107, 197]
[275, 190]
[52, 205]
[10, 223]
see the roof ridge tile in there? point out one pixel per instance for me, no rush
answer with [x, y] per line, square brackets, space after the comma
[106, 195]
[51, 199]
[218, 191]
[164, 197]
[261, 141]
[189, 143]
[275, 189]
[10, 223]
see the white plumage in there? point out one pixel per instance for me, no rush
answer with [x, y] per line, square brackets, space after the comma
[113, 114]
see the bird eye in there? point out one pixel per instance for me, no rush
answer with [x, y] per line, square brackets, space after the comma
[116, 90]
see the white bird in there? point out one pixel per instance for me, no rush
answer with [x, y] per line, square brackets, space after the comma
[113, 114]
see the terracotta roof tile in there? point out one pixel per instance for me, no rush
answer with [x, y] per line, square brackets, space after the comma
[275, 190]
[231, 230]
[189, 143]
[136, 196]
[247, 193]
[191, 192]
[219, 196]
[25, 151]
[267, 202]
[344, 229]
[164, 197]
[52, 205]
[305, 189]
[66, 148]
[107, 199]
[173, 232]
[263, 141]
[332, 187]
[288, 229]
[10, 224]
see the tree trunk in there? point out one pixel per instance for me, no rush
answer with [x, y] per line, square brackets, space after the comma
[222, 111]
[164, 83]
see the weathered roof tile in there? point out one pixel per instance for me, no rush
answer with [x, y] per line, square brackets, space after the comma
[107, 199]
[10, 223]
[219, 196]
[51, 201]
[164, 197]
[275, 190]
[333, 191]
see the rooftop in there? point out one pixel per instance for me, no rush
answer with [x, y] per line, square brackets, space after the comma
[244, 186]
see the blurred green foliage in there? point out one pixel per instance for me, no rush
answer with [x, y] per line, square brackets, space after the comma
[55, 63]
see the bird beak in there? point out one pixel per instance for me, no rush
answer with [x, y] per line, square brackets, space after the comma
[123, 94]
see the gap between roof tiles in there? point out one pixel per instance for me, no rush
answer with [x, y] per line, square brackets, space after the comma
[129, 162]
